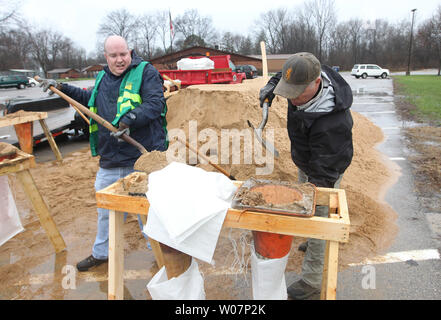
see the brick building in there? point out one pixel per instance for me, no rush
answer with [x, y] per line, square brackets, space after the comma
[92, 71]
[70, 73]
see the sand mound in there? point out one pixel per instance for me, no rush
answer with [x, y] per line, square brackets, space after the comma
[365, 181]
[68, 189]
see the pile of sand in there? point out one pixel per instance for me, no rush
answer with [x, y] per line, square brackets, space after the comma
[366, 180]
[68, 188]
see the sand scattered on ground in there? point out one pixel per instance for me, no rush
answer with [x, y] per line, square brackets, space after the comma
[67, 188]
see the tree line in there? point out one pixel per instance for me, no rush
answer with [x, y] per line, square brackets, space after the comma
[313, 26]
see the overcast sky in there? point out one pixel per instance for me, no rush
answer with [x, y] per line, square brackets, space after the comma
[79, 19]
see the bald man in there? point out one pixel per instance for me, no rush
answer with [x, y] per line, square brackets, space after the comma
[128, 93]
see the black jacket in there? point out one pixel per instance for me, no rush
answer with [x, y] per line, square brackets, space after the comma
[149, 126]
[321, 142]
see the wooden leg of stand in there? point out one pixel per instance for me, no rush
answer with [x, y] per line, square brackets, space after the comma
[116, 256]
[330, 267]
[155, 245]
[51, 140]
[24, 132]
[41, 209]
[176, 262]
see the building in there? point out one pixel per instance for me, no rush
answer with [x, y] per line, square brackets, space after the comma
[92, 71]
[66, 73]
[275, 61]
[169, 61]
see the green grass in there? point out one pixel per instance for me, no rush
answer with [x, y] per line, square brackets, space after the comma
[424, 92]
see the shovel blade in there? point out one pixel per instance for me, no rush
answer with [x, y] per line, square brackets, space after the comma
[268, 146]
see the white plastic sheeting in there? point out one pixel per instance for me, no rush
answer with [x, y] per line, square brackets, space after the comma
[195, 64]
[187, 208]
[187, 286]
[268, 277]
[10, 223]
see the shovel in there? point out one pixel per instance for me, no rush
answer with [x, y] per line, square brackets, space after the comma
[80, 108]
[258, 132]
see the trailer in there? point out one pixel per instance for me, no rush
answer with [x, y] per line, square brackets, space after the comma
[224, 72]
[62, 119]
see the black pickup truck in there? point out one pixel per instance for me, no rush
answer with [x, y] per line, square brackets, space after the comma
[62, 119]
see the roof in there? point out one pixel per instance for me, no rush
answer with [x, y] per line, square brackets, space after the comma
[63, 70]
[98, 64]
[274, 56]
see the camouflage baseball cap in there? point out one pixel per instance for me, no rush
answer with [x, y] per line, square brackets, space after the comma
[298, 72]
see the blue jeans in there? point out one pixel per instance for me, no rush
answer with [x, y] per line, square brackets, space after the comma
[104, 178]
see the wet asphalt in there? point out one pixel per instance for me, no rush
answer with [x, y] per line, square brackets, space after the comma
[415, 277]
[418, 275]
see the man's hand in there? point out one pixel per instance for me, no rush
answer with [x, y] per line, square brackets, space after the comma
[123, 129]
[267, 93]
[46, 83]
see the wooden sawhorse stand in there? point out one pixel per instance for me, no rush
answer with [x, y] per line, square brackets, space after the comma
[333, 229]
[23, 126]
[20, 166]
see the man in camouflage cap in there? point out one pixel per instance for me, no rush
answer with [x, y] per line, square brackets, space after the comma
[320, 131]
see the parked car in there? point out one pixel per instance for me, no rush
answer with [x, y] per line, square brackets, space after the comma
[20, 82]
[249, 70]
[369, 70]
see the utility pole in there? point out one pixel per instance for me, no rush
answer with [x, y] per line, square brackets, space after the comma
[410, 44]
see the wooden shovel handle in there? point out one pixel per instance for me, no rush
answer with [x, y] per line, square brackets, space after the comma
[95, 117]
[206, 159]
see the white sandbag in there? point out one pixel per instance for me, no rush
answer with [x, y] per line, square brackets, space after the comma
[187, 286]
[187, 208]
[10, 223]
[195, 64]
[201, 244]
[268, 277]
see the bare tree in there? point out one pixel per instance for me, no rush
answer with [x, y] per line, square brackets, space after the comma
[324, 17]
[339, 45]
[436, 34]
[275, 25]
[303, 34]
[121, 23]
[191, 24]
[148, 31]
[14, 50]
[355, 30]
[8, 11]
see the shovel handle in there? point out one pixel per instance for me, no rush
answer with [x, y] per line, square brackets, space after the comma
[206, 159]
[265, 107]
[78, 106]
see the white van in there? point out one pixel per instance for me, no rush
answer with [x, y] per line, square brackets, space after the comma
[369, 70]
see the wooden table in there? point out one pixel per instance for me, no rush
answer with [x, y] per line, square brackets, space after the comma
[333, 229]
[20, 166]
[23, 125]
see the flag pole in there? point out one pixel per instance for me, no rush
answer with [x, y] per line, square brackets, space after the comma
[171, 31]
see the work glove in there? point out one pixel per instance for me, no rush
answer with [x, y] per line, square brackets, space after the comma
[123, 128]
[267, 93]
[46, 83]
